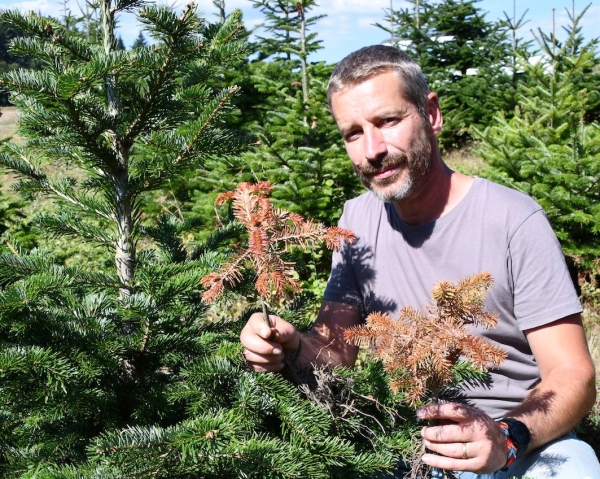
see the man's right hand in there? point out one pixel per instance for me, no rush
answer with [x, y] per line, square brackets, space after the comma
[266, 347]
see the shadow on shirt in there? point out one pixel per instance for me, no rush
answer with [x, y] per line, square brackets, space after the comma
[351, 282]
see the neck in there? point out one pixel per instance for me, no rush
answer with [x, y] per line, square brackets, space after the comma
[440, 191]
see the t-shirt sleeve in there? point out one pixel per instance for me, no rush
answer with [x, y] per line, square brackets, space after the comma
[542, 286]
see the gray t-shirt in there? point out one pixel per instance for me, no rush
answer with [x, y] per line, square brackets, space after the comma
[393, 265]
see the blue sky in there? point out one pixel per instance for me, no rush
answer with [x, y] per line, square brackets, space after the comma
[349, 24]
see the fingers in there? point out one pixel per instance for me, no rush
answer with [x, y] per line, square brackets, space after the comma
[465, 439]
[453, 458]
[264, 363]
[452, 411]
[461, 456]
[278, 330]
[265, 346]
[453, 450]
[454, 422]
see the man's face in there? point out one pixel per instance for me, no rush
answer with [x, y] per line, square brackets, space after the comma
[387, 140]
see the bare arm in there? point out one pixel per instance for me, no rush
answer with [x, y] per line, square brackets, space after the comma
[567, 390]
[324, 343]
[564, 395]
[266, 349]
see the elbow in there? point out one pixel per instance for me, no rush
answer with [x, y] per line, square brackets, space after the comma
[591, 388]
[588, 389]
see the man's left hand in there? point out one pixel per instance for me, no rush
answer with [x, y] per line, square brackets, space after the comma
[466, 439]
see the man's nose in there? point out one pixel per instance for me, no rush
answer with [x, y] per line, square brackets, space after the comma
[374, 144]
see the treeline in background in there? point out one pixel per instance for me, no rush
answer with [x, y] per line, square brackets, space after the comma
[111, 365]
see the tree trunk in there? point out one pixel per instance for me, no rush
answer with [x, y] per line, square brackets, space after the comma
[125, 247]
[220, 4]
[303, 52]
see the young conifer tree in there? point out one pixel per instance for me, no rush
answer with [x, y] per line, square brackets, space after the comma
[111, 367]
[91, 348]
[298, 143]
[550, 148]
[464, 57]
[409, 28]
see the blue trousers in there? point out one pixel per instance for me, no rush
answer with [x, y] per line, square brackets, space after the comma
[564, 458]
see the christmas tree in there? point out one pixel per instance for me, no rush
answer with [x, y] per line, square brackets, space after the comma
[464, 57]
[549, 149]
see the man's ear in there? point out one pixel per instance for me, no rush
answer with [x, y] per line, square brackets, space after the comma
[435, 114]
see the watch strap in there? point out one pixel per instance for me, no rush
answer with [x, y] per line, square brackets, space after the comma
[511, 448]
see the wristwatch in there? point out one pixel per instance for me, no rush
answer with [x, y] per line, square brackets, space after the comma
[518, 438]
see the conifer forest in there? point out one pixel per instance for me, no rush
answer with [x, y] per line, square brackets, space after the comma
[128, 264]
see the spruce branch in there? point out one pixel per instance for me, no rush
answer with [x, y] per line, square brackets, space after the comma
[271, 233]
[189, 147]
[13, 156]
[182, 29]
[425, 351]
[421, 349]
[10, 247]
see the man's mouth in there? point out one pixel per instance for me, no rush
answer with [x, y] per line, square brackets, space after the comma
[385, 172]
[382, 171]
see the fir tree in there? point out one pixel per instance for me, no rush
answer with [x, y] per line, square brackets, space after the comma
[299, 149]
[519, 48]
[463, 56]
[89, 23]
[297, 146]
[67, 18]
[468, 69]
[549, 149]
[409, 29]
[120, 45]
[220, 5]
[95, 347]
[9, 60]
[139, 42]
[288, 25]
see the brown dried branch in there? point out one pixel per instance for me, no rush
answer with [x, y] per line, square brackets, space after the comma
[420, 349]
[215, 281]
[271, 232]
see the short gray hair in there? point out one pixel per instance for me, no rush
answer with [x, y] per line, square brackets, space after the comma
[373, 60]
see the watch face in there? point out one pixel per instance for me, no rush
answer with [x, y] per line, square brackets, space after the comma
[519, 433]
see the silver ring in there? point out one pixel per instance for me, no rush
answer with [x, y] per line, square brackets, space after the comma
[464, 455]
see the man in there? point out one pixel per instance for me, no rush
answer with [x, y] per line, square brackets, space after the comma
[422, 222]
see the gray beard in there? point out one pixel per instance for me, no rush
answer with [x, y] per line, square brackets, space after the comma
[416, 164]
[403, 191]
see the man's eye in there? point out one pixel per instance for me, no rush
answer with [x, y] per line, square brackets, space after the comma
[353, 135]
[391, 121]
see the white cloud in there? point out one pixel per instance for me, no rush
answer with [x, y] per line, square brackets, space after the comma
[44, 7]
[369, 22]
[355, 6]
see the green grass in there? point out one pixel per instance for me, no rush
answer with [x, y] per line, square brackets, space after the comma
[464, 161]
[8, 122]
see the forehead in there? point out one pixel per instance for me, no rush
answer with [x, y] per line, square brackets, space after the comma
[379, 92]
